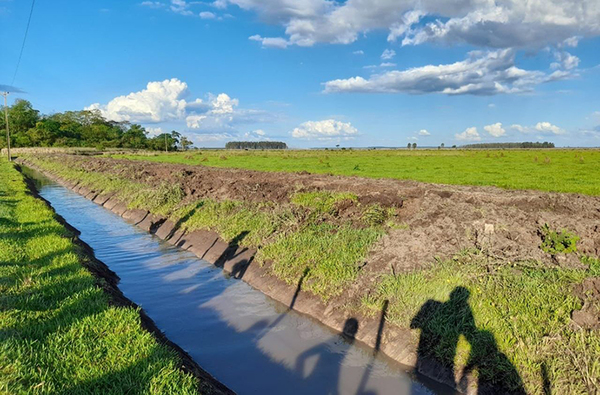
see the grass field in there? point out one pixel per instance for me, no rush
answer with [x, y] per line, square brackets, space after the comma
[554, 170]
[58, 331]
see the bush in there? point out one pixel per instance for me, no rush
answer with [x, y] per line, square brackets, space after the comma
[554, 242]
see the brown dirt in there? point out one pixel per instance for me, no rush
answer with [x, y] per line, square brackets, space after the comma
[441, 219]
[589, 315]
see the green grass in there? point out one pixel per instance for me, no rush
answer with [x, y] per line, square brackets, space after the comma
[558, 170]
[58, 332]
[523, 310]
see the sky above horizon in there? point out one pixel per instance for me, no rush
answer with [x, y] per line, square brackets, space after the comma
[316, 73]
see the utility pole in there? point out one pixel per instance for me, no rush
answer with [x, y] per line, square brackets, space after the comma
[6, 119]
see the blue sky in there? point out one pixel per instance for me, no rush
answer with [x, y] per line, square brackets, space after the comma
[313, 72]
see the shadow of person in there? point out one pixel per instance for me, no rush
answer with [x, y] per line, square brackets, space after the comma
[327, 359]
[495, 373]
[442, 324]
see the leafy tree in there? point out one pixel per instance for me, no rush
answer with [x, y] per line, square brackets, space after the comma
[185, 143]
[256, 145]
[414, 145]
[134, 137]
[408, 146]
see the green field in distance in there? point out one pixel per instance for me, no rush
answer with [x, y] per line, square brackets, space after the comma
[556, 170]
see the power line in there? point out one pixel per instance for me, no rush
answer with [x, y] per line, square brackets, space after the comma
[23, 45]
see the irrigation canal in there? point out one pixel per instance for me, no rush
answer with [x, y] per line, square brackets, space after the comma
[249, 342]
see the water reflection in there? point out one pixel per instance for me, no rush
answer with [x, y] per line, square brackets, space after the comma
[246, 340]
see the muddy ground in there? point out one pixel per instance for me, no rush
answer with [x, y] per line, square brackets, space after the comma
[441, 219]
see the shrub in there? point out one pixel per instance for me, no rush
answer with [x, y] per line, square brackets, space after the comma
[554, 242]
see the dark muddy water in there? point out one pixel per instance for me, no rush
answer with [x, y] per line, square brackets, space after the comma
[248, 341]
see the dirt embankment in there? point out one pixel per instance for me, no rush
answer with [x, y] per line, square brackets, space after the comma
[439, 221]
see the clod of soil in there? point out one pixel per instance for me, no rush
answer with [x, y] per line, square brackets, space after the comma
[589, 315]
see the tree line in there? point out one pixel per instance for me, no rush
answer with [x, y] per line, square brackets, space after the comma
[525, 144]
[81, 129]
[256, 145]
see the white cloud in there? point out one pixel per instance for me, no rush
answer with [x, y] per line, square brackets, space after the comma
[181, 7]
[548, 128]
[160, 101]
[495, 130]
[388, 54]
[544, 128]
[152, 4]
[359, 52]
[165, 101]
[423, 132]
[257, 134]
[470, 134]
[207, 15]
[518, 128]
[565, 61]
[153, 132]
[381, 65]
[325, 130]
[211, 137]
[482, 23]
[272, 42]
[482, 73]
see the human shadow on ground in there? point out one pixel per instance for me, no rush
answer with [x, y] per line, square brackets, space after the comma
[327, 358]
[237, 254]
[442, 324]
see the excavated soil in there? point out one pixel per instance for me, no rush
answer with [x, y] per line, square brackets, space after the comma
[441, 220]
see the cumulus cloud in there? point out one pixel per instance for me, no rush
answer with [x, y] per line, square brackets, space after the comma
[160, 101]
[423, 132]
[495, 130]
[359, 52]
[548, 128]
[544, 128]
[564, 60]
[328, 129]
[482, 73]
[165, 101]
[388, 54]
[470, 134]
[510, 23]
[272, 42]
[207, 15]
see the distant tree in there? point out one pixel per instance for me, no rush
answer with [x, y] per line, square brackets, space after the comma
[442, 145]
[135, 137]
[185, 143]
[408, 146]
[414, 145]
[256, 145]
[526, 144]
[454, 146]
[164, 142]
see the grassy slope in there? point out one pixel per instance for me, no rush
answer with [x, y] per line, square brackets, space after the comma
[547, 170]
[520, 312]
[58, 332]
